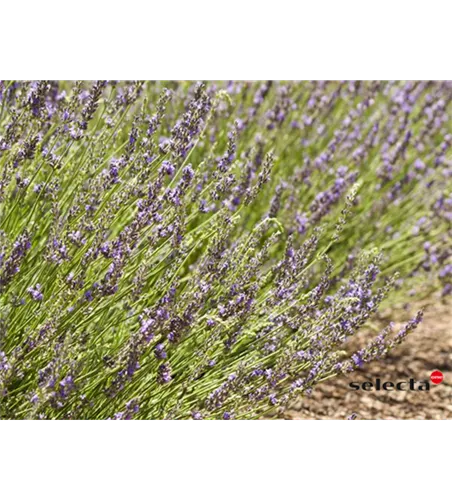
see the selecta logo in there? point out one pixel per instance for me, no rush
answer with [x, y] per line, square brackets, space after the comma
[405, 385]
[436, 377]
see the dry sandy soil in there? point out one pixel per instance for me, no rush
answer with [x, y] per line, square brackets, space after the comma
[427, 349]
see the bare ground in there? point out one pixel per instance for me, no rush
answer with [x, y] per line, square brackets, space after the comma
[427, 349]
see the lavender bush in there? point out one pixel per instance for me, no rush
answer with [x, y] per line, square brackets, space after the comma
[181, 250]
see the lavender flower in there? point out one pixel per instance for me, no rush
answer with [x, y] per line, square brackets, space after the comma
[35, 292]
[164, 374]
[160, 352]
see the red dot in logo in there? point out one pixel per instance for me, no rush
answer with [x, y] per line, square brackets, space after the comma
[436, 377]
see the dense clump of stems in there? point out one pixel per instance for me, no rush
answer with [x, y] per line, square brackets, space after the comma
[204, 250]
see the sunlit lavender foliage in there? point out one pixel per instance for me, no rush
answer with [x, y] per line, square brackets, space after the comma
[205, 250]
